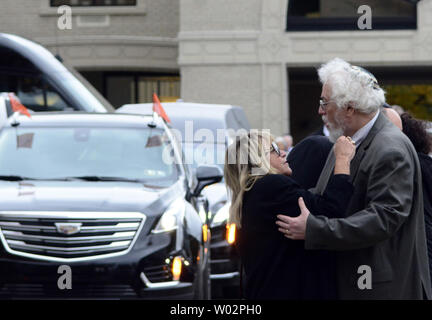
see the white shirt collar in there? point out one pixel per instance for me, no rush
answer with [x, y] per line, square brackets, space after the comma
[325, 131]
[361, 134]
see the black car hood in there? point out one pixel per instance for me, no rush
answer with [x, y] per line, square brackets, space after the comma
[86, 196]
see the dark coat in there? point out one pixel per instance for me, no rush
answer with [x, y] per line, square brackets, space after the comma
[319, 132]
[277, 267]
[307, 159]
[426, 169]
[384, 228]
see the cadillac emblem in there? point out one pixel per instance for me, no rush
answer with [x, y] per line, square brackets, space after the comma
[68, 228]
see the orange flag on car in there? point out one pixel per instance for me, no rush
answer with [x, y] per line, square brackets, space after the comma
[17, 106]
[157, 107]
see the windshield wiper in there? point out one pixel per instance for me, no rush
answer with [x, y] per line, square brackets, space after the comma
[103, 178]
[21, 178]
[14, 178]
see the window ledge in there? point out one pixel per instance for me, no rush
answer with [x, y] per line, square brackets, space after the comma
[139, 9]
[343, 24]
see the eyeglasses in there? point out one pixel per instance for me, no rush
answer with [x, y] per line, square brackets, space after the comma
[323, 104]
[275, 148]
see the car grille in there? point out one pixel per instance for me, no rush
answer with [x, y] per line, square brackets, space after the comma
[40, 291]
[218, 233]
[69, 236]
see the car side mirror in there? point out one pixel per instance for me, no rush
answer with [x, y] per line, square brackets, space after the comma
[207, 175]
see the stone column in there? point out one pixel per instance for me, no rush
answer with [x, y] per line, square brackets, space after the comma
[274, 86]
[229, 53]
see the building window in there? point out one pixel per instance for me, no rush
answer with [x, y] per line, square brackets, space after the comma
[92, 3]
[327, 15]
[124, 87]
[167, 88]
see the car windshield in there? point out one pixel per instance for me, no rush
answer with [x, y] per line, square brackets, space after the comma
[86, 153]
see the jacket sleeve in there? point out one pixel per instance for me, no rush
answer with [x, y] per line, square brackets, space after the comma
[335, 199]
[285, 192]
[388, 203]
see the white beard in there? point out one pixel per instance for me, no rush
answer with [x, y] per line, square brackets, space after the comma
[334, 134]
[336, 130]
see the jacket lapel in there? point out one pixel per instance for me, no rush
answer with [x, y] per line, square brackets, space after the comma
[362, 149]
[326, 173]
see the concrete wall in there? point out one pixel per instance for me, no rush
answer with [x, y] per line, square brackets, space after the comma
[228, 51]
[108, 38]
[219, 44]
[226, 55]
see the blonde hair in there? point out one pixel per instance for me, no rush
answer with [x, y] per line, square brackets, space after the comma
[246, 161]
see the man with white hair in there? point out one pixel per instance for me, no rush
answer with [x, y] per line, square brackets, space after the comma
[381, 241]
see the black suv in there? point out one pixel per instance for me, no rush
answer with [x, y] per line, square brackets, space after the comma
[106, 196]
[205, 131]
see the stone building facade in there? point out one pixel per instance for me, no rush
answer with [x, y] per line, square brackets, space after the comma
[240, 52]
[222, 51]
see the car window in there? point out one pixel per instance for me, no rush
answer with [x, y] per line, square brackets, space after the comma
[49, 153]
[34, 92]
[13, 62]
[60, 90]
[19, 75]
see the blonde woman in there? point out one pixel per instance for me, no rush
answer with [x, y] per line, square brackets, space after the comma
[257, 175]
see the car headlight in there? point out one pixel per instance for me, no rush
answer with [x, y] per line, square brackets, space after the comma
[221, 215]
[171, 218]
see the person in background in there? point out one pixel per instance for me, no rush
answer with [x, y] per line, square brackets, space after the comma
[288, 142]
[416, 132]
[285, 143]
[398, 109]
[281, 143]
[392, 115]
